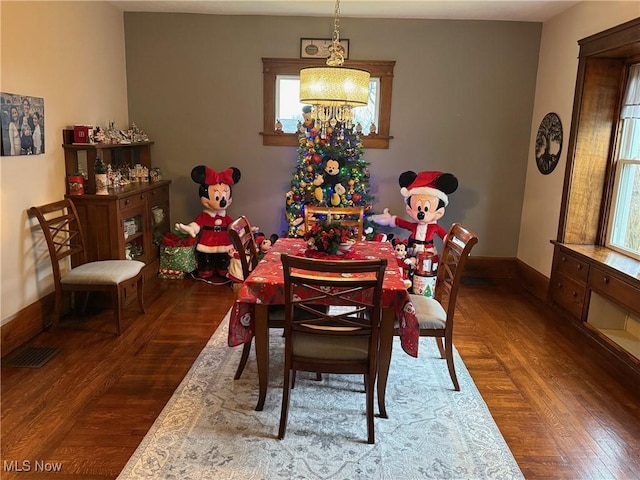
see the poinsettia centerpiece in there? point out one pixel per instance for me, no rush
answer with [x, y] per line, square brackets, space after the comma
[329, 237]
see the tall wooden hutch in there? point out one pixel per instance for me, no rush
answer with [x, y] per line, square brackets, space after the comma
[127, 222]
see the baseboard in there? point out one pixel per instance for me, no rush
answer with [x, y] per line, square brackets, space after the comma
[533, 281]
[490, 267]
[26, 324]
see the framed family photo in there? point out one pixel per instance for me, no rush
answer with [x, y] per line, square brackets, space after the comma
[22, 124]
[319, 47]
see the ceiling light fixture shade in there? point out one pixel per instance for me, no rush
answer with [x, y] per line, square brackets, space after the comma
[334, 86]
[334, 90]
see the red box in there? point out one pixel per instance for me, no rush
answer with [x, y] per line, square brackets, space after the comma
[81, 133]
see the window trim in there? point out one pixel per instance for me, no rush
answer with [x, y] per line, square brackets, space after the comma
[272, 67]
[588, 182]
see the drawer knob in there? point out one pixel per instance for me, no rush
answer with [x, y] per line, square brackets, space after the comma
[564, 259]
[127, 201]
[559, 284]
[574, 294]
[605, 280]
[579, 266]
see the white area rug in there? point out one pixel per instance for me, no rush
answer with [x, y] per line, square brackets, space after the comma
[210, 430]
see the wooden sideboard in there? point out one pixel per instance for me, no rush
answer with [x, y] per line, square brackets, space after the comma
[599, 289]
[128, 223]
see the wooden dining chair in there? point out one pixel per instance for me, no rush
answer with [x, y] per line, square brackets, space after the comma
[435, 315]
[351, 216]
[243, 240]
[342, 339]
[65, 241]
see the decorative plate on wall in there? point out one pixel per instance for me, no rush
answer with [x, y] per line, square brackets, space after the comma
[548, 143]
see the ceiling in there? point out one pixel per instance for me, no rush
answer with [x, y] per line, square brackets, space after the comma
[523, 11]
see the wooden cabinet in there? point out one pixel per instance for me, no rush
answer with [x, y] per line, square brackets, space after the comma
[568, 286]
[128, 223]
[600, 290]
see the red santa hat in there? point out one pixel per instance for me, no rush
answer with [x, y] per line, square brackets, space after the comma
[259, 238]
[425, 184]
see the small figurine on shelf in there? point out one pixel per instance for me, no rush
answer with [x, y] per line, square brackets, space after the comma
[138, 135]
[100, 171]
[99, 135]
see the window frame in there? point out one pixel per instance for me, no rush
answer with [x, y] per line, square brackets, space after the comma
[590, 171]
[272, 67]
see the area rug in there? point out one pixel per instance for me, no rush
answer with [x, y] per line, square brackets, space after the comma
[210, 430]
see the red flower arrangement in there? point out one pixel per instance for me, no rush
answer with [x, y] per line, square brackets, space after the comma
[327, 237]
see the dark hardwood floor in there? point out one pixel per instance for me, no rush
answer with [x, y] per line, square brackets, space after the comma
[562, 413]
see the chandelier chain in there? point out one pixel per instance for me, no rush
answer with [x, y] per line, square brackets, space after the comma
[336, 23]
[336, 52]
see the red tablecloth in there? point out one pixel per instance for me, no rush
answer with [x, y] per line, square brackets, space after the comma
[265, 285]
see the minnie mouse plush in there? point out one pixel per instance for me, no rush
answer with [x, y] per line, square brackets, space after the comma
[400, 251]
[426, 196]
[211, 224]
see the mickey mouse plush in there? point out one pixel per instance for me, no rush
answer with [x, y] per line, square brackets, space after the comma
[426, 196]
[211, 224]
[331, 178]
[265, 243]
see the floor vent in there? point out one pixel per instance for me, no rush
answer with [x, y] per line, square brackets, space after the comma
[476, 281]
[33, 356]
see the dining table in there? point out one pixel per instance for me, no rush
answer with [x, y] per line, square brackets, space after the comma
[265, 287]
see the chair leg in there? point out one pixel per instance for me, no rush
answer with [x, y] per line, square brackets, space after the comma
[117, 308]
[369, 387]
[57, 309]
[286, 392]
[450, 365]
[243, 360]
[141, 293]
[440, 347]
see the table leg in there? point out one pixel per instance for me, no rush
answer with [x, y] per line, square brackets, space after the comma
[384, 357]
[262, 350]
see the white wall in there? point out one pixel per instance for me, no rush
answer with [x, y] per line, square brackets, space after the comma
[555, 86]
[72, 55]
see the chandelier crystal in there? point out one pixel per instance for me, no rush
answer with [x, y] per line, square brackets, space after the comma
[334, 90]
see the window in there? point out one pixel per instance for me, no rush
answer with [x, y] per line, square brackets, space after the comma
[281, 87]
[289, 108]
[624, 216]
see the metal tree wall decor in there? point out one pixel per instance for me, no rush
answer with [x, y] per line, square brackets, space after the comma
[548, 143]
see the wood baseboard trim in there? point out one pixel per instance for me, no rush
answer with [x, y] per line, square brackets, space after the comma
[490, 267]
[26, 324]
[533, 281]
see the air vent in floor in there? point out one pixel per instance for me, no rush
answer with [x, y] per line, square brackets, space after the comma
[32, 356]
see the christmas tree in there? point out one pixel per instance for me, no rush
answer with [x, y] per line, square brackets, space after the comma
[330, 172]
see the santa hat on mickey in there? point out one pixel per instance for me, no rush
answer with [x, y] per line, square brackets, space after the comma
[436, 184]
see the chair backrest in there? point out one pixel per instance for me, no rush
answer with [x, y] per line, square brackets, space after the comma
[352, 288]
[351, 216]
[243, 240]
[63, 233]
[455, 252]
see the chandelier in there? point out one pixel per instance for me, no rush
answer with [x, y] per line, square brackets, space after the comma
[333, 90]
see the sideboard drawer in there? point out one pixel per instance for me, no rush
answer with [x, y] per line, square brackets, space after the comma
[572, 266]
[131, 201]
[612, 287]
[568, 293]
